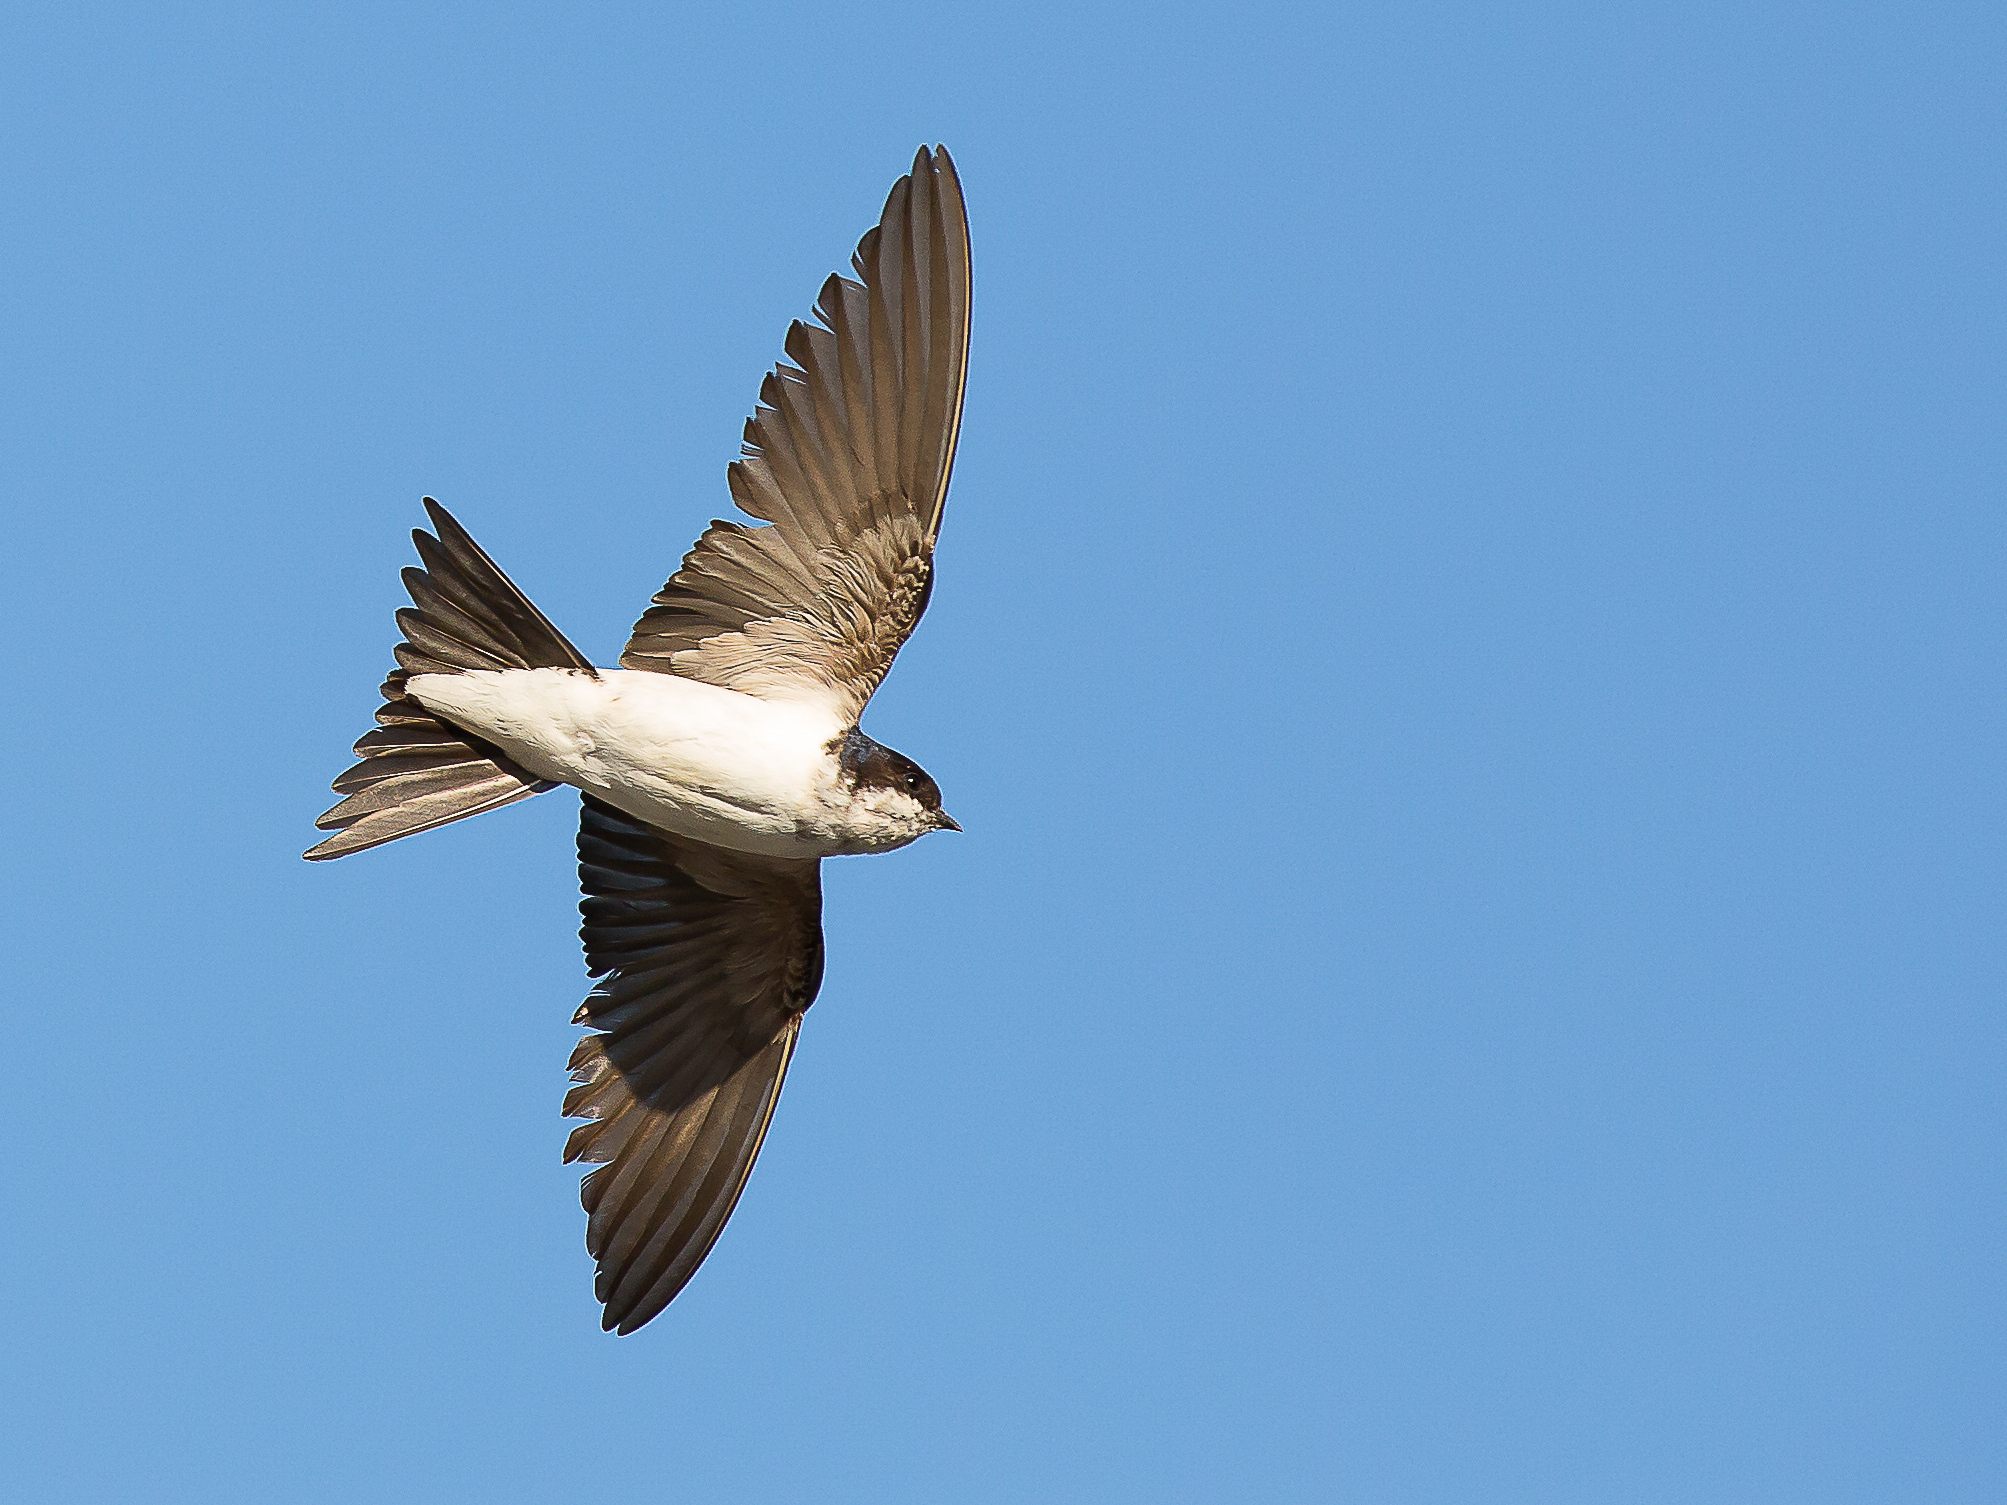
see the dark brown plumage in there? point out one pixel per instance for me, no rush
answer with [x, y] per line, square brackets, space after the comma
[848, 458]
[417, 771]
[710, 959]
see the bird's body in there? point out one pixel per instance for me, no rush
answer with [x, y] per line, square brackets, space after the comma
[722, 761]
[731, 770]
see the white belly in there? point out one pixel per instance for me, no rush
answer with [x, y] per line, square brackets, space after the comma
[711, 764]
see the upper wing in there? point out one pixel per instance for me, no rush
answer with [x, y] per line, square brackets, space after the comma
[848, 457]
[710, 958]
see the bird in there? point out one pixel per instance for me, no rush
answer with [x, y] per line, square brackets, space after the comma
[722, 760]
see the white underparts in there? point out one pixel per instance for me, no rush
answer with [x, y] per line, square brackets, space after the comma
[721, 767]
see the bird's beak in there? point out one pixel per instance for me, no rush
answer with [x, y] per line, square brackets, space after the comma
[946, 822]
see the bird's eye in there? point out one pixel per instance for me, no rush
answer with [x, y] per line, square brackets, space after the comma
[912, 781]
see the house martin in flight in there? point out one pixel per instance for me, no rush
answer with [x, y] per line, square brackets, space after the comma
[722, 761]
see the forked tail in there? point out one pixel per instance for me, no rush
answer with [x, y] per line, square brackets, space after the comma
[417, 770]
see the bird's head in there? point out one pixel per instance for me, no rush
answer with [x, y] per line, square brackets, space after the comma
[898, 792]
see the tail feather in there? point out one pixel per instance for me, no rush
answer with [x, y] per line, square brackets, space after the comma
[491, 617]
[418, 770]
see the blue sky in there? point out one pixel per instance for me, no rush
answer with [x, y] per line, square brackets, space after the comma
[1468, 648]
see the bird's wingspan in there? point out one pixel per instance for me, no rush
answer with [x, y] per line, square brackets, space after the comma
[707, 960]
[848, 458]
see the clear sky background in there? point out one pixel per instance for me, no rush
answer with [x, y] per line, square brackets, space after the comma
[1469, 649]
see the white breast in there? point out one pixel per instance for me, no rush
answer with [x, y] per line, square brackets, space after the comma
[713, 764]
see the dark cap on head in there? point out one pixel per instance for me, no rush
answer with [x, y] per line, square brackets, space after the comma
[873, 765]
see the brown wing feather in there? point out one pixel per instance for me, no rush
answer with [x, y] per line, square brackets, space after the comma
[848, 460]
[708, 960]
